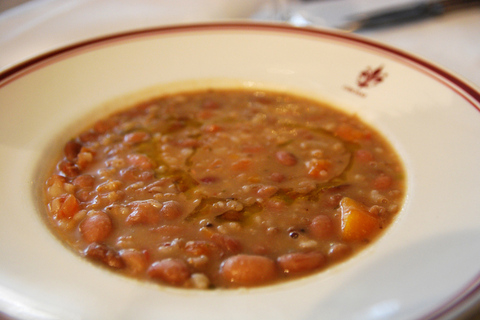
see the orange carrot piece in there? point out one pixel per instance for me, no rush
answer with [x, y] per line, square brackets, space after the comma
[318, 168]
[349, 133]
[69, 208]
[357, 222]
[241, 165]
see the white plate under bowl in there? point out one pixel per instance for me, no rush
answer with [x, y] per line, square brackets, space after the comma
[427, 264]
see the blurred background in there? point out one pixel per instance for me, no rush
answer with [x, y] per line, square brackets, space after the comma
[30, 27]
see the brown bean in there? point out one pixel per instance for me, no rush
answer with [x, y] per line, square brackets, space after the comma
[96, 227]
[71, 150]
[104, 125]
[104, 254]
[84, 195]
[136, 174]
[267, 191]
[226, 243]
[248, 270]
[339, 251]
[321, 227]
[70, 169]
[171, 210]
[200, 247]
[301, 262]
[56, 179]
[334, 200]
[208, 180]
[286, 158]
[172, 271]
[140, 161]
[136, 137]
[84, 181]
[143, 213]
[84, 158]
[265, 100]
[277, 177]
[135, 260]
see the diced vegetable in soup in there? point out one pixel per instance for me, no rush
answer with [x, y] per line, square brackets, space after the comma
[224, 188]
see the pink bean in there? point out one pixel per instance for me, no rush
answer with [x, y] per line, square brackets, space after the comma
[286, 158]
[171, 210]
[172, 271]
[96, 227]
[301, 262]
[321, 227]
[248, 270]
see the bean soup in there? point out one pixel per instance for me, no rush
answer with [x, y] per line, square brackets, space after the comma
[224, 189]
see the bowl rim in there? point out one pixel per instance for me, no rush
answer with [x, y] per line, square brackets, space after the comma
[460, 302]
[470, 91]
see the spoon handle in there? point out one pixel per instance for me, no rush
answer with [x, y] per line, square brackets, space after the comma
[409, 13]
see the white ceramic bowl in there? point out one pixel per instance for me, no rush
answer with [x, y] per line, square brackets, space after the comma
[426, 266]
